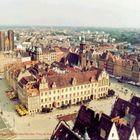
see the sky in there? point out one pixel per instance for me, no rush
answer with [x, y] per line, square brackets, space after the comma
[97, 13]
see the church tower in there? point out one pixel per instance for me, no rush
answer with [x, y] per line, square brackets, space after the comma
[82, 52]
[82, 43]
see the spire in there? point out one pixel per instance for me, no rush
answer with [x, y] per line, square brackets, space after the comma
[82, 43]
[86, 136]
[82, 39]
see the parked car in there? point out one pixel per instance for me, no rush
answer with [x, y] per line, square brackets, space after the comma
[21, 110]
[47, 110]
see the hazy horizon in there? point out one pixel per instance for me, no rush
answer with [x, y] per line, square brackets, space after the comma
[81, 13]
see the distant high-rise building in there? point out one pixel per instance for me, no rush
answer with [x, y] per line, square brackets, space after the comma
[11, 39]
[2, 41]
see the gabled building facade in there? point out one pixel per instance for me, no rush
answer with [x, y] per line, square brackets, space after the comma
[34, 82]
[123, 124]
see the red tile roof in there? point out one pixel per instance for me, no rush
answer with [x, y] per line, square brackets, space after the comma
[69, 117]
[65, 80]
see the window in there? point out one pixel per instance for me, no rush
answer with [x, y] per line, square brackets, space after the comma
[45, 93]
[50, 92]
[54, 98]
[45, 99]
[42, 94]
[81, 87]
[58, 97]
[41, 100]
[112, 135]
[50, 98]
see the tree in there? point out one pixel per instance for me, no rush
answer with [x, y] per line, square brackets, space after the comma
[111, 92]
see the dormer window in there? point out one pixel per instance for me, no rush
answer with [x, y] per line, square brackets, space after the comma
[74, 81]
[103, 133]
[92, 79]
[43, 80]
[54, 85]
[127, 110]
[33, 94]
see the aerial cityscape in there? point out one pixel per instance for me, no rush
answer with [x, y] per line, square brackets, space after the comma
[70, 70]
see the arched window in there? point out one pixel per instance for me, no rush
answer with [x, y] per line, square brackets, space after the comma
[74, 81]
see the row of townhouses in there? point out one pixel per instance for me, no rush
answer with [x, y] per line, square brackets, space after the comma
[127, 67]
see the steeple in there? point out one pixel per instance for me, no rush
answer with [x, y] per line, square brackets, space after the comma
[82, 43]
[82, 39]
